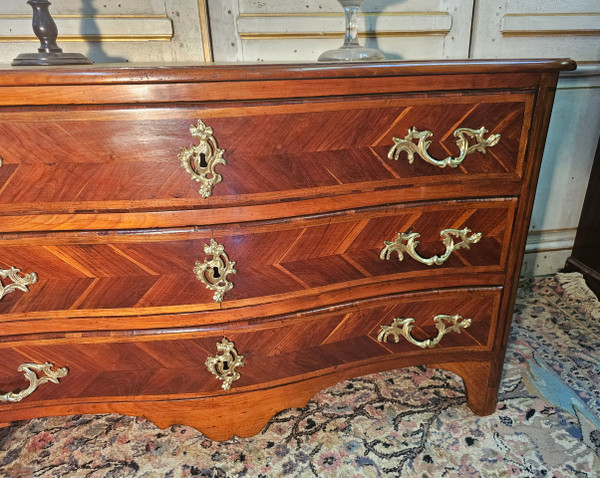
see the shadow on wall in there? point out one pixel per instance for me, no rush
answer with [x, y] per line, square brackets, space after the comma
[96, 51]
[371, 21]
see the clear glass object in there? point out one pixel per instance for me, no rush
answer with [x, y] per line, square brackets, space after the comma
[351, 50]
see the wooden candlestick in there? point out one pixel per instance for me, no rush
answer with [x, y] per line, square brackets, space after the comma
[49, 53]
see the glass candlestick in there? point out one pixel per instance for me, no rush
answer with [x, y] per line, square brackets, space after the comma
[49, 52]
[351, 50]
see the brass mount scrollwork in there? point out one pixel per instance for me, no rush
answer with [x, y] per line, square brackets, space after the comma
[403, 326]
[407, 144]
[18, 282]
[31, 371]
[213, 272]
[407, 242]
[224, 364]
[201, 160]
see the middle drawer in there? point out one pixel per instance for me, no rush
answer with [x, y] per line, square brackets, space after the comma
[248, 263]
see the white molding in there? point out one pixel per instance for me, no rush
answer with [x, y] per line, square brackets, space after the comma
[550, 24]
[584, 69]
[586, 76]
[82, 28]
[546, 251]
[433, 23]
[550, 240]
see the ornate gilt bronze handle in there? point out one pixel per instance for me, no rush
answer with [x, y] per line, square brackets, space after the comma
[213, 272]
[18, 283]
[224, 364]
[31, 370]
[201, 160]
[443, 323]
[410, 247]
[407, 144]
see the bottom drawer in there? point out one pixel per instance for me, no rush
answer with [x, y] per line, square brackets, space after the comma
[273, 351]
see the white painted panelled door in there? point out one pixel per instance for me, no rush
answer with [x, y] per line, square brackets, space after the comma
[552, 29]
[112, 31]
[537, 29]
[299, 31]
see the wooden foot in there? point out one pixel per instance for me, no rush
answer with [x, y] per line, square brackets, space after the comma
[482, 381]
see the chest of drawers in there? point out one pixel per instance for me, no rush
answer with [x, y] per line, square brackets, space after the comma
[209, 245]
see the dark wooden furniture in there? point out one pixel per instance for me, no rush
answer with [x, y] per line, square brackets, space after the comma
[143, 275]
[585, 257]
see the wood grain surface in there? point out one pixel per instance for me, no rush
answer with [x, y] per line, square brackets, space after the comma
[94, 200]
[276, 351]
[154, 269]
[98, 159]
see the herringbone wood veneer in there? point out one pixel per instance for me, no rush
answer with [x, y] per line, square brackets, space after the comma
[273, 350]
[338, 147]
[143, 269]
[94, 200]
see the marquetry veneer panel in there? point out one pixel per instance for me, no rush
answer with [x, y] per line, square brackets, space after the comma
[272, 151]
[275, 350]
[146, 269]
[95, 201]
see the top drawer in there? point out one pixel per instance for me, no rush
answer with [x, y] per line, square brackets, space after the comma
[130, 158]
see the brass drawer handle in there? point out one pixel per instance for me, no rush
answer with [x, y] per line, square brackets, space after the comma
[223, 365]
[213, 272]
[18, 283]
[407, 144]
[410, 247]
[201, 160]
[31, 370]
[443, 323]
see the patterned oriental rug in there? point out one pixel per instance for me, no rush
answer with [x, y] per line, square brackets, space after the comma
[406, 423]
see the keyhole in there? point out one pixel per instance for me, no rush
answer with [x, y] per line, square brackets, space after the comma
[225, 365]
[216, 274]
[203, 163]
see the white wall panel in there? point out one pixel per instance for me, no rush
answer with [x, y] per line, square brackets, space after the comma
[110, 30]
[552, 29]
[569, 153]
[250, 30]
[536, 29]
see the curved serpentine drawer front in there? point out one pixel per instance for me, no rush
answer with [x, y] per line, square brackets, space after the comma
[210, 245]
[243, 153]
[203, 268]
[269, 353]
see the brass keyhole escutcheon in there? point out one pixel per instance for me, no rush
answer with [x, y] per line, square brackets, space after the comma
[213, 272]
[200, 160]
[223, 365]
